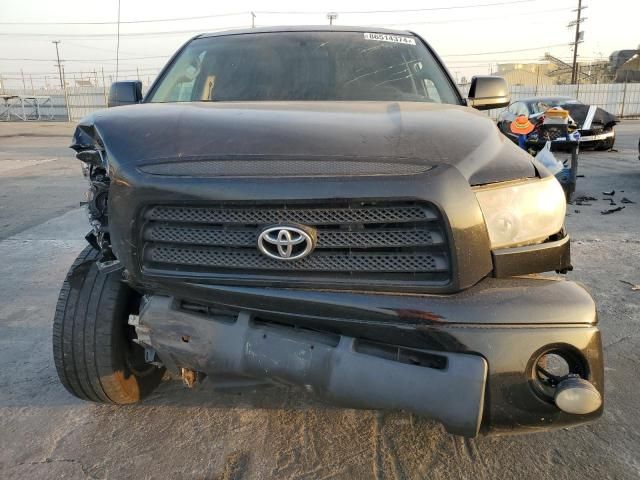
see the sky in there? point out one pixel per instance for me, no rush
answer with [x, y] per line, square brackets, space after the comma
[470, 35]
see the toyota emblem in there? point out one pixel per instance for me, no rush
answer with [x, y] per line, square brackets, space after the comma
[286, 242]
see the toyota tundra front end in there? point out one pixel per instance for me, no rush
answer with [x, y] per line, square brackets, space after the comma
[320, 207]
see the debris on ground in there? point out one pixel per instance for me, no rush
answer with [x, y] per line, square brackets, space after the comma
[626, 200]
[611, 210]
[579, 176]
[577, 211]
[611, 202]
[582, 199]
[612, 192]
[634, 286]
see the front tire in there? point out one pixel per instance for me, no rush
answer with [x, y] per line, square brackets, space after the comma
[92, 348]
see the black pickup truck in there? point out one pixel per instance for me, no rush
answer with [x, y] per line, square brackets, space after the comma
[321, 207]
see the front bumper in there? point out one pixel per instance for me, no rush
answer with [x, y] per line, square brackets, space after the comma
[465, 360]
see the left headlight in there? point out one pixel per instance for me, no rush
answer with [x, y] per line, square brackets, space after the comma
[522, 213]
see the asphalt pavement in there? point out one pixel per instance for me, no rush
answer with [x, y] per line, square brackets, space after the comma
[279, 432]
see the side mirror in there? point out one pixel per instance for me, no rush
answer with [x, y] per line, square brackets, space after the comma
[125, 93]
[487, 92]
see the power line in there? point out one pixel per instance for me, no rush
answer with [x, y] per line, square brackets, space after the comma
[93, 60]
[167, 56]
[540, 61]
[88, 47]
[158, 20]
[105, 60]
[411, 10]
[454, 64]
[100, 35]
[270, 12]
[504, 51]
[469, 19]
[169, 32]
[50, 73]
[109, 35]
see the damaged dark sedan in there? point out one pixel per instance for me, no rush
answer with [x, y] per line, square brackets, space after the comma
[319, 207]
[595, 124]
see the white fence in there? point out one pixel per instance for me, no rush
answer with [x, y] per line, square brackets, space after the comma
[621, 99]
[72, 104]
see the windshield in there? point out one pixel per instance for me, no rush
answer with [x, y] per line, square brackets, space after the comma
[543, 105]
[305, 66]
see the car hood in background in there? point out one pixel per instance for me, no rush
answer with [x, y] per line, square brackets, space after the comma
[426, 133]
[588, 116]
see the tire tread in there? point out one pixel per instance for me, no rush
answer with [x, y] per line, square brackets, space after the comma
[89, 335]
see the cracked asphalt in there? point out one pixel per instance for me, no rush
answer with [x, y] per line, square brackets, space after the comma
[278, 432]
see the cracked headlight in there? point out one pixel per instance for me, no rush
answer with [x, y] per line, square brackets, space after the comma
[522, 213]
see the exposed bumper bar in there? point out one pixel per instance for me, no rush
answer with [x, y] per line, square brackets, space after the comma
[508, 262]
[451, 390]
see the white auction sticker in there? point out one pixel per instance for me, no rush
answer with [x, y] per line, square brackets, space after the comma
[385, 37]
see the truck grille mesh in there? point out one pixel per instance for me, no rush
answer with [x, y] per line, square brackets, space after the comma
[360, 262]
[315, 216]
[362, 239]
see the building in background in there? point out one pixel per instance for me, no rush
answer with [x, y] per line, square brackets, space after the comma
[525, 73]
[622, 66]
[627, 65]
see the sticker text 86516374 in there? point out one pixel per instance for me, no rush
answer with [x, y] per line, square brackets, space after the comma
[385, 37]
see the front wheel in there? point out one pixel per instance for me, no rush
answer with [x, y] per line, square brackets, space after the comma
[94, 354]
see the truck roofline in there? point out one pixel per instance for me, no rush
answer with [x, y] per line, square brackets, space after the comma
[303, 28]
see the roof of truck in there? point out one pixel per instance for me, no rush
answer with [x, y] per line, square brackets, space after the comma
[305, 28]
[542, 99]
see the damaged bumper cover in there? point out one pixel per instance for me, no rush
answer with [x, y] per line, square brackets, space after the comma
[447, 387]
[465, 360]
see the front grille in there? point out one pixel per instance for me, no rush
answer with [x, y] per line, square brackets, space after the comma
[310, 216]
[361, 262]
[365, 240]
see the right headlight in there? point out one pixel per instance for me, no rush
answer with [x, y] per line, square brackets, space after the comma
[522, 213]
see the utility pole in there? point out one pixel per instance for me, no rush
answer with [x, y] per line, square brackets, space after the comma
[58, 57]
[104, 88]
[66, 95]
[253, 20]
[578, 39]
[24, 85]
[332, 16]
[118, 43]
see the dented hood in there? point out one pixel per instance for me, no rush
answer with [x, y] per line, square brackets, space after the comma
[429, 133]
